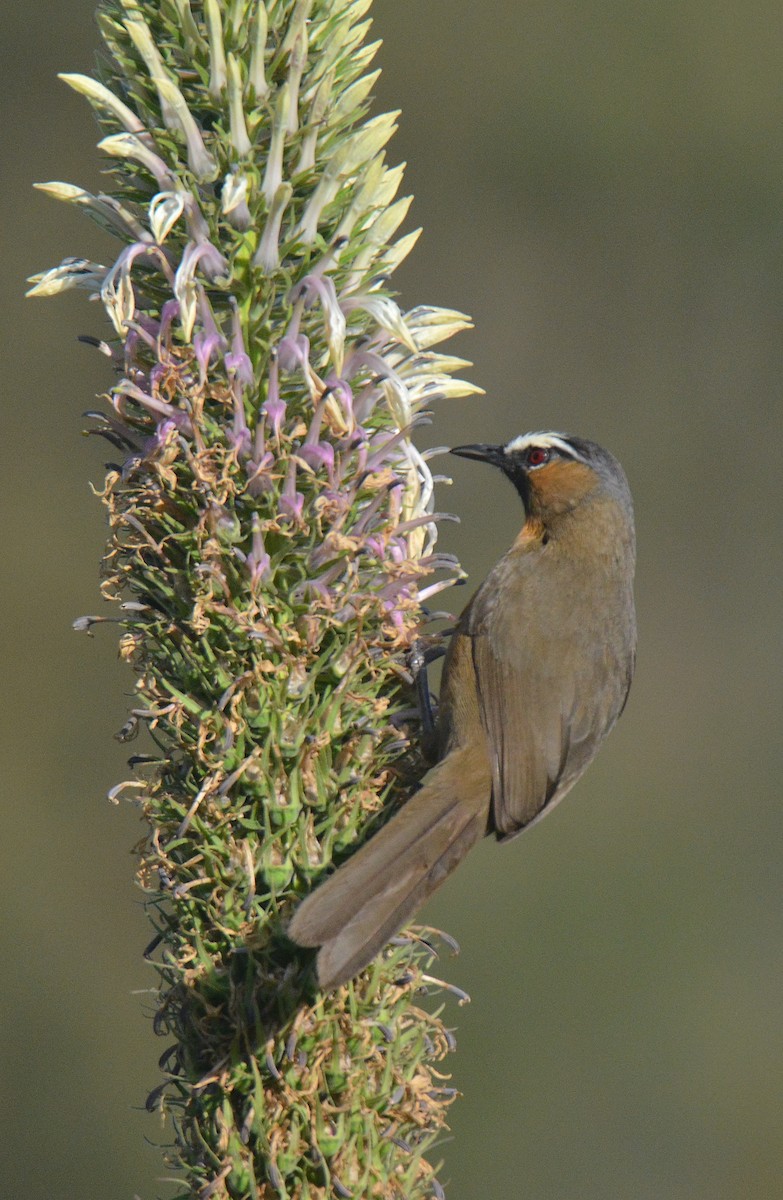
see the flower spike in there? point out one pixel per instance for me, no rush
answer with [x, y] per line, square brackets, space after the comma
[272, 538]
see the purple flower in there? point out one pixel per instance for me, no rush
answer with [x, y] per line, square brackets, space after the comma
[258, 561]
[240, 434]
[237, 360]
[205, 345]
[273, 407]
[291, 501]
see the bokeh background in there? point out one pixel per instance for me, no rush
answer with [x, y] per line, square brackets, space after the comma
[601, 186]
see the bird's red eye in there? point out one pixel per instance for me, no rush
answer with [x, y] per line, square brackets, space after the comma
[537, 456]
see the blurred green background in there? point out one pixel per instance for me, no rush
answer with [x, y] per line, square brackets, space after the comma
[600, 186]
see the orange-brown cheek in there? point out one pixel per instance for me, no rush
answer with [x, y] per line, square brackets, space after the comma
[560, 486]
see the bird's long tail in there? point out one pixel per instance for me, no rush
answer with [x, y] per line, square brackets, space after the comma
[354, 913]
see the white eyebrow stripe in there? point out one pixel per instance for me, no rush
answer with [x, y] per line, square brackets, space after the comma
[554, 441]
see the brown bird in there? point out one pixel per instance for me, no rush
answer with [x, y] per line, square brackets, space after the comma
[536, 674]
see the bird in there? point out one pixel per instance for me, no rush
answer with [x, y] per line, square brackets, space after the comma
[537, 672]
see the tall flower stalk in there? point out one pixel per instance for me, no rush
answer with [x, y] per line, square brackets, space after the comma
[272, 540]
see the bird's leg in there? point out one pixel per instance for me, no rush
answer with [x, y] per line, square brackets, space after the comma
[424, 651]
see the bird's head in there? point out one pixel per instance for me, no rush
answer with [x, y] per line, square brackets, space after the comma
[555, 473]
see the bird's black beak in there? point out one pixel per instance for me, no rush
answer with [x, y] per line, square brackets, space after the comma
[496, 455]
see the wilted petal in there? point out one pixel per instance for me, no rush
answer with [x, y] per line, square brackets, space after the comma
[154, 405]
[233, 201]
[128, 145]
[385, 313]
[185, 287]
[71, 273]
[105, 210]
[166, 208]
[334, 317]
[431, 325]
[117, 292]
[341, 390]
[443, 387]
[119, 300]
[393, 386]
[186, 291]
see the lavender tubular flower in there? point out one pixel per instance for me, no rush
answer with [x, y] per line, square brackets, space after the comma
[272, 537]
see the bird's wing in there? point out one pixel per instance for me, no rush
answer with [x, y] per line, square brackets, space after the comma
[544, 702]
[525, 733]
